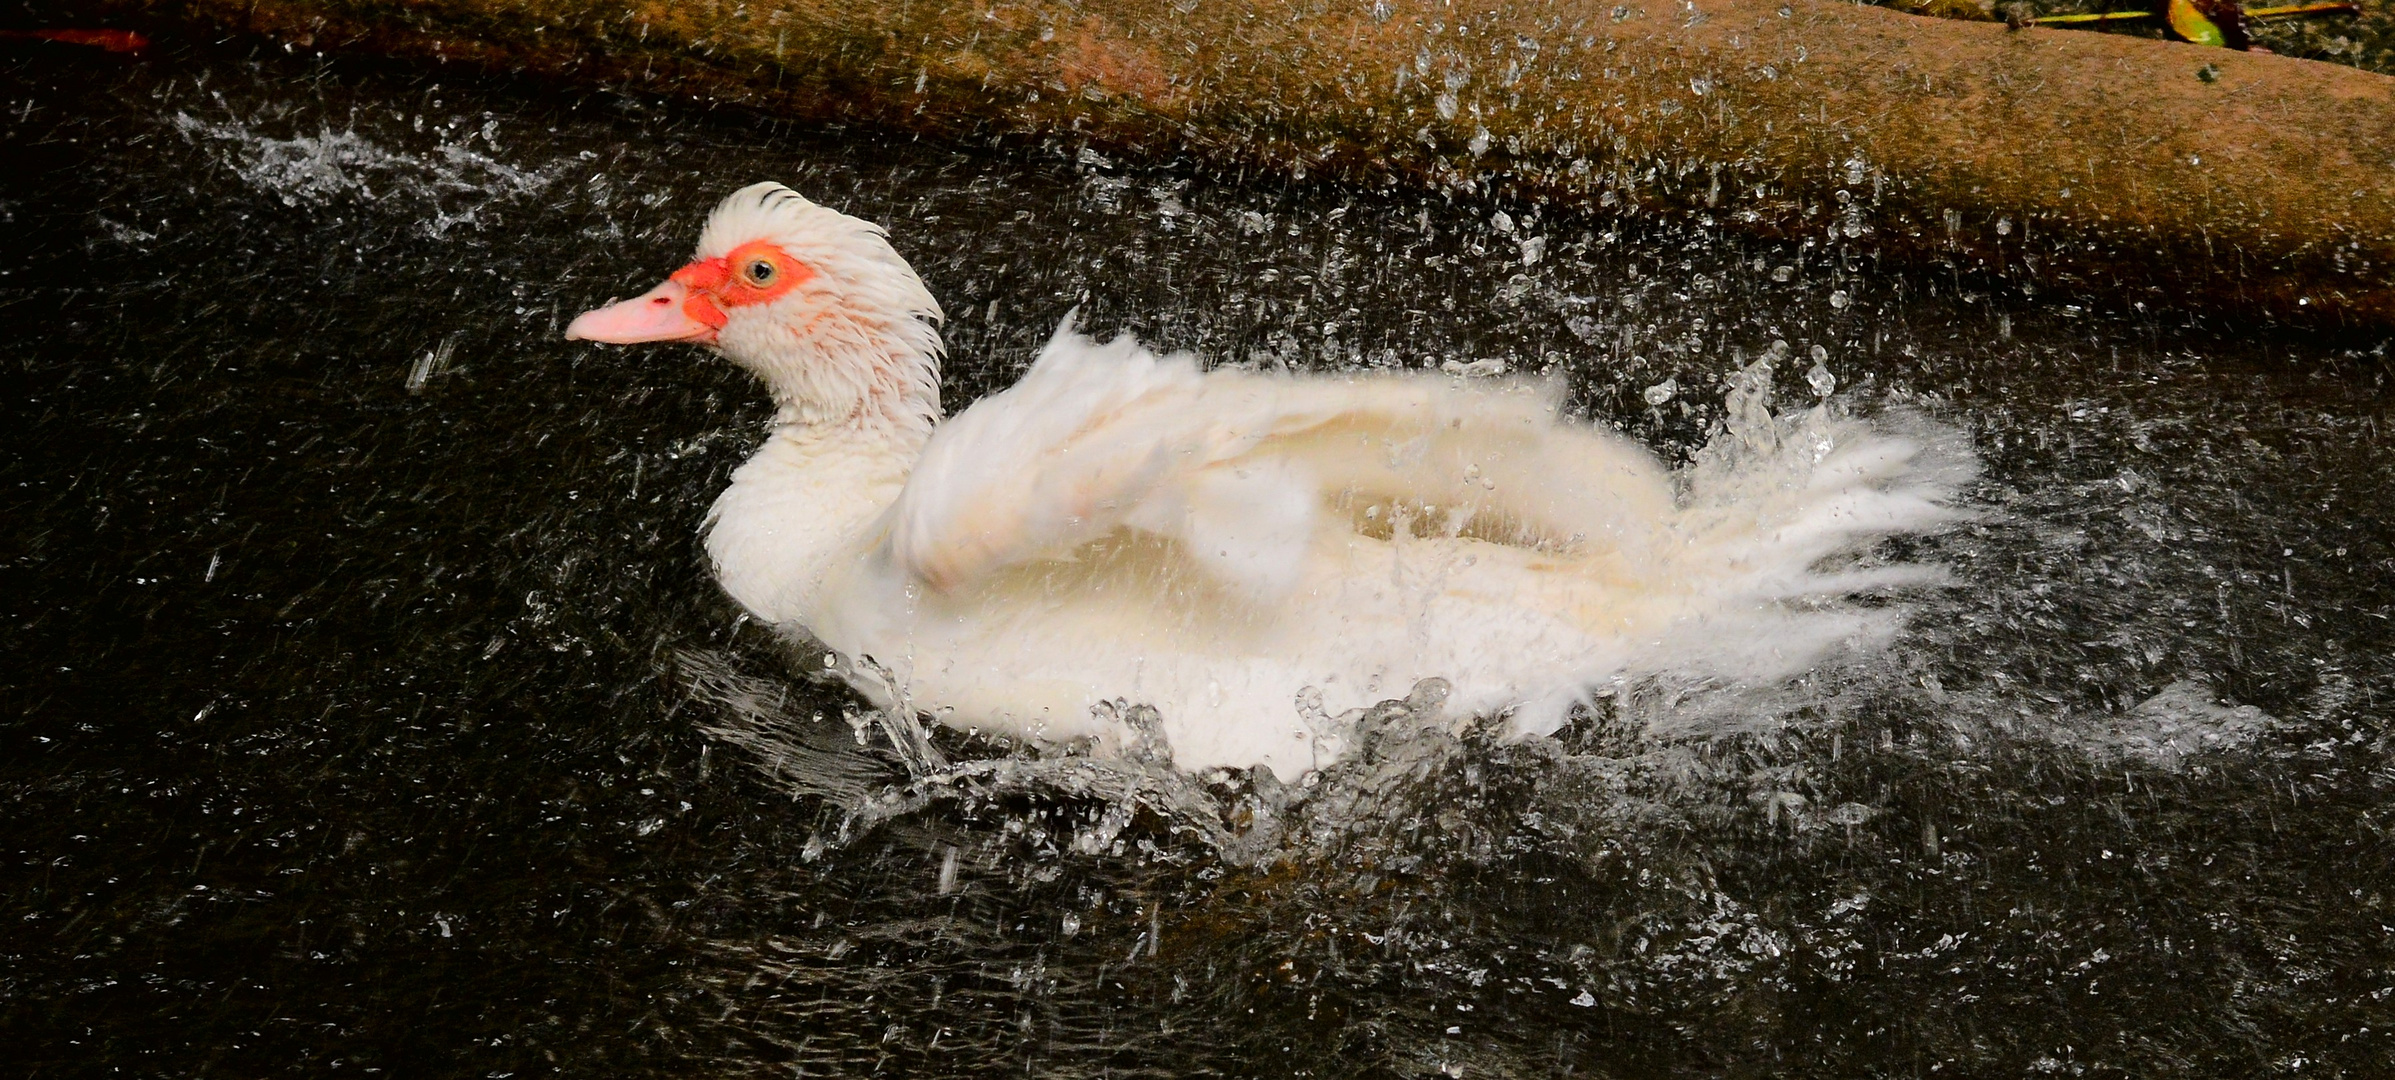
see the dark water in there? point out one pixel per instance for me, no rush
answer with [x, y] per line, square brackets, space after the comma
[357, 645]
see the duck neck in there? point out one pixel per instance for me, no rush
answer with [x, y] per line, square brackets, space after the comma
[891, 441]
[859, 378]
[850, 418]
[898, 429]
[803, 507]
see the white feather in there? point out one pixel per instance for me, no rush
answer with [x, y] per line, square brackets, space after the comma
[1221, 545]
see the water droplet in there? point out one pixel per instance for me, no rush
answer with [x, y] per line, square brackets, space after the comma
[1819, 378]
[1839, 299]
[1662, 392]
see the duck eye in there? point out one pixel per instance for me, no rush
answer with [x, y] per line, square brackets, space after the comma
[759, 272]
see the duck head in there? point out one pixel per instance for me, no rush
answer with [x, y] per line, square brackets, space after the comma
[814, 302]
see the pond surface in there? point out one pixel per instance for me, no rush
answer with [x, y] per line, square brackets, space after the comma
[371, 708]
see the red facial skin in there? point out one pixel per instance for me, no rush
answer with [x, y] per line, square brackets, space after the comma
[730, 282]
[690, 305]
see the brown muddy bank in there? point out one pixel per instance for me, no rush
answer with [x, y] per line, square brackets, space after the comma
[2149, 172]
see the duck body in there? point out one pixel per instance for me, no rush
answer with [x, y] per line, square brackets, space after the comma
[1251, 554]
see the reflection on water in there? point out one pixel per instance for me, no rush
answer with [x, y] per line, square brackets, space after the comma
[364, 662]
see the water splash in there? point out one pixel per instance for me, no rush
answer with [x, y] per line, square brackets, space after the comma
[2183, 720]
[455, 182]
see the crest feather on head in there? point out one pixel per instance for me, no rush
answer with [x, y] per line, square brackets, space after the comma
[766, 211]
[804, 228]
[872, 327]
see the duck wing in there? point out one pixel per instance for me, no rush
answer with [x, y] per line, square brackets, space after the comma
[1242, 469]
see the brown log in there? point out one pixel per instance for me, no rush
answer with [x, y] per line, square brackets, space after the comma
[2141, 169]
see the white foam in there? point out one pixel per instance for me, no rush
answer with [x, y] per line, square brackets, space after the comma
[455, 181]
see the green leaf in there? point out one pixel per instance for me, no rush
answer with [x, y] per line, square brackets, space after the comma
[2217, 23]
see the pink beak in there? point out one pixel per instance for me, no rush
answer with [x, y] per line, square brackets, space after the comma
[669, 312]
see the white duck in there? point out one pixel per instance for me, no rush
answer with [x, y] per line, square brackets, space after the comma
[1252, 554]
